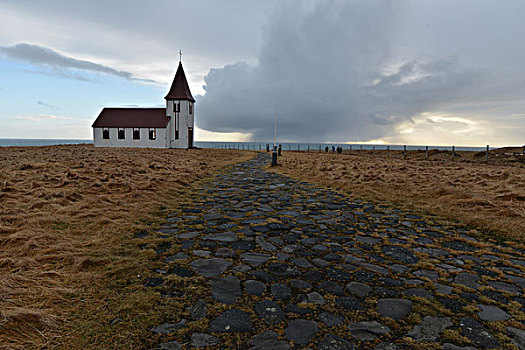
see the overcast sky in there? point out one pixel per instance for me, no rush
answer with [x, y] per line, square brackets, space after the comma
[414, 71]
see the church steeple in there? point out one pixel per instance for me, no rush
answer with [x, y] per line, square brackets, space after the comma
[179, 88]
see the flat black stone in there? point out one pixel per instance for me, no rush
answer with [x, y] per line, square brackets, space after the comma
[231, 321]
[349, 303]
[400, 254]
[280, 291]
[269, 311]
[301, 331]
[331, 287]
[459, 245]
[330, 319]
[181, 271]
[333, 342]
[226, 289]
[283, 270]
[453, 305]
[476, 333]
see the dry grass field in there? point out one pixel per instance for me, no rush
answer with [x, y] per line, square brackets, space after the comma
[489, 197]
[68, 215]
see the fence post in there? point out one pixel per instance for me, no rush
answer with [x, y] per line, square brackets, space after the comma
[361, 147]
[308, 148]
[319, 148]
[405, 151]
[373, 148]
[426, 153]
[487, 154]
[454, 153]
[350, 148]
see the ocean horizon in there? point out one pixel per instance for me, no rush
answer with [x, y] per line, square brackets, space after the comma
[287, 146]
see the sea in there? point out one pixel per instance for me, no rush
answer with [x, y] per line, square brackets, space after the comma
[248, 145]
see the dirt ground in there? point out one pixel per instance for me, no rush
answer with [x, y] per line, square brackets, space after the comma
[463, 188]
[66, 215]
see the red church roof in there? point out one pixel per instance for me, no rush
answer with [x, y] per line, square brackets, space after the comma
[132, 118]
[179, 89]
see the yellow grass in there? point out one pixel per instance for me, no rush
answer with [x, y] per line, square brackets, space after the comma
[490, 197]
[67, 219]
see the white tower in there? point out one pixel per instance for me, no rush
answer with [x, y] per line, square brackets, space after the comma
[180, 108]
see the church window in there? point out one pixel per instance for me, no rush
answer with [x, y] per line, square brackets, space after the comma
[105, 133]
[152, 134]
[176, 106]
[177, 127]
[136, 134]
[190, 108]
[121, 134]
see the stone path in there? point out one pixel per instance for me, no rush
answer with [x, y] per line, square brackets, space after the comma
[283, 264]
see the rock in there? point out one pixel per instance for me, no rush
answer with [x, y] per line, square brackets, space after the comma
[221, 237]
[397, 268]
[225, 253]
[431, 275]
[430, 328]
[477, 334]
[280, 291]
[254, 259]
[320, 262]
[242, 268]
[226, 289]
[254, 287]
[202, 253]
[301, 331]
[301, 262]
[166, 328]
[448, 346]
[443, 289]
[264, 244]
[349, 303]
[231, 321]
[331, 287]
[418, 292]
[199, 310]
[505, 287]
[315, 298]
[188, 235]
[171, 345]
[492, 313]
[330, 319]
[400, 254]
[467, 279]
[394, 308]
[282, 270]
[178, 256]
[210, 267]
[202, 340]
[357, 288]
[333, 342]
[386, 346]
[267, 341]
[517, 336]
[180, 271]
[300, 284]
[365, 331]
[269, 311]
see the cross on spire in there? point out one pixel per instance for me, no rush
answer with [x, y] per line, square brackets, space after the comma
[180, 55]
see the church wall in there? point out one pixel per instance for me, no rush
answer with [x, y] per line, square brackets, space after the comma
[144, 142]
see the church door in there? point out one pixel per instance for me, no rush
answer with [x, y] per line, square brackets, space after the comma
[190, 137]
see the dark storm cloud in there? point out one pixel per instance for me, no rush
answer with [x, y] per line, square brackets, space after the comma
[353, 71]
[43, 56]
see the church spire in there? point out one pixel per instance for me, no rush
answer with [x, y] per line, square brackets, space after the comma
[179, 88]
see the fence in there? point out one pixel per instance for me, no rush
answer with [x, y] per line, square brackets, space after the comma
[404, 150]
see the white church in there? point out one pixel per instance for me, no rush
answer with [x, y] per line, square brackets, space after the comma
[170, 127]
